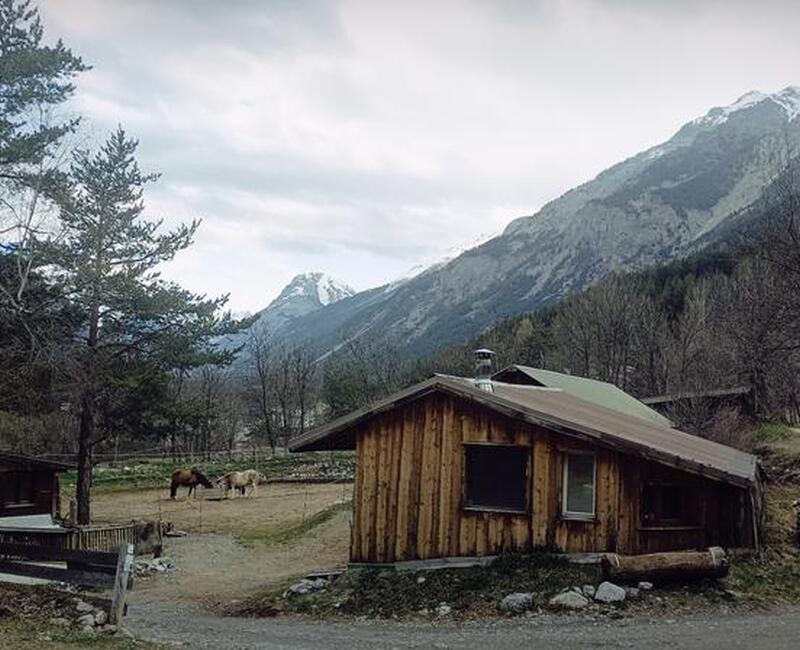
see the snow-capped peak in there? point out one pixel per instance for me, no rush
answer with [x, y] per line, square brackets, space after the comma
[788, 99]
[318, 286]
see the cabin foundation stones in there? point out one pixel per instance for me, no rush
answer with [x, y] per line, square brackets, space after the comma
[516, 603]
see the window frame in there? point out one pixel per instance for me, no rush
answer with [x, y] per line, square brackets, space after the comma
[466, 506]
[568, 514]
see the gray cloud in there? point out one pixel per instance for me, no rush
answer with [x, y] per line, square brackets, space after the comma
[360, 137]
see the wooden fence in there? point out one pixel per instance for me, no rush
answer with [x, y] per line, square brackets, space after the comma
[96, 537]
[96, 569]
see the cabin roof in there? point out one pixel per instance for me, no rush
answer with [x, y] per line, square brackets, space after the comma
[32, 462]
[715, 392]
[592, 390]
[563, 412]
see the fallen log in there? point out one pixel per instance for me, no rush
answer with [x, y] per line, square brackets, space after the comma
[659, 567]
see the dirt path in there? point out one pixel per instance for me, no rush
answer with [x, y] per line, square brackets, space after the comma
[753, 631]
[212, 568]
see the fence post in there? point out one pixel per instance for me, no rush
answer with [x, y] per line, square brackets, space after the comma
[121, 578]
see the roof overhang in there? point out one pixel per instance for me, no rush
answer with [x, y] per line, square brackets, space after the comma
[32, 463]
[741, 469]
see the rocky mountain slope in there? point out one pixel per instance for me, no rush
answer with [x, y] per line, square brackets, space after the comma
[663, 203]
[305, 294]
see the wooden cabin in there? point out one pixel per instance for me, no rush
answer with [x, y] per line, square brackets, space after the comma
[29, 488]
[457, 467]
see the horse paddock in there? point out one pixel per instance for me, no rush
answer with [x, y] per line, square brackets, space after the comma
[273, 504]
[214, 568]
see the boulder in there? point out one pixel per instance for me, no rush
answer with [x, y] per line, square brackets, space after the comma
[645, 586]
[569, 600]
[608, 592]
[87, 620]
[59, 621]
[443, 609]
[516, 603]
[589, 591]
[100, 617]
[82, 606]
[306, 586]
[632, 592]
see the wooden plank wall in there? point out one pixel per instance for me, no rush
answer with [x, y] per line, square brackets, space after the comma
[408, 491]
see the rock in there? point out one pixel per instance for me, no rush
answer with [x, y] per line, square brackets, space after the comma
[589, 591]
[86, 620]
[443, 609]
[100, 617]
[123, 631]
[306, 586]
[87, 629]
[59, 621]
[420, 580]
[82, 606]
[608, 592]
[632, 592]
[569, 600]
[175, 533]
[645, 586]
[110, 629]
[516, 603]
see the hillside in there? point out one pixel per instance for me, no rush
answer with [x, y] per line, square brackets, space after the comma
[665, 203]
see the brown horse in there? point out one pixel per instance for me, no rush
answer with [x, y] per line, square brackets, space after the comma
[187, 478]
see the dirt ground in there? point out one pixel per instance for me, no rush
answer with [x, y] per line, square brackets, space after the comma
[213, 569]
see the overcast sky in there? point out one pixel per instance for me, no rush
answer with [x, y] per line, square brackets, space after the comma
[363, 138]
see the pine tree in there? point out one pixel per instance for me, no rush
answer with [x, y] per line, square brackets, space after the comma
[34, 79]
[133, 323]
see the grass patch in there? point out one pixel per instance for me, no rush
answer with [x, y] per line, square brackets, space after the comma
[769, 432]
[34, 634]
[287, 533]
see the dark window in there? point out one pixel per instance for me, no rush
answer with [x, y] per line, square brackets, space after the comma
[496, 477]
[667, 505]
[16, 488]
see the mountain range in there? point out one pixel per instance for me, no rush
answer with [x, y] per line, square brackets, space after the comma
[664, 203]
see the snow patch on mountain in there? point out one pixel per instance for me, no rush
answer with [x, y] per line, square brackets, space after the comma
[788, 99]
[319, 287]
[439, 261]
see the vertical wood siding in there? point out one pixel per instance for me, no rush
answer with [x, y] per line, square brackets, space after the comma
[408, 492]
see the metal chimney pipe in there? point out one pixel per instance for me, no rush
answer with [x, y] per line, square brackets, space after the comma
[483, 370]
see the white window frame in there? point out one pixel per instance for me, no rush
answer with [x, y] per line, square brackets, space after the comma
[583, 516]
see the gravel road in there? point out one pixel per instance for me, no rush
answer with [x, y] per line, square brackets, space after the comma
[165, 623]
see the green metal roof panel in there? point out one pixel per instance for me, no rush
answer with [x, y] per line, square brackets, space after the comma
[591, 390]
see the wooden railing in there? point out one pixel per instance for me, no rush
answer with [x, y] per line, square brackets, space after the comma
[98, 569]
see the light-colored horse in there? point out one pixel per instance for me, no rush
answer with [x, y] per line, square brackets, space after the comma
[241, 480]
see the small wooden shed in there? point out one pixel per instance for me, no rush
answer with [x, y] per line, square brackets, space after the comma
[453, 467]
[29, 486]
